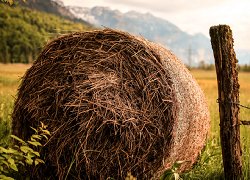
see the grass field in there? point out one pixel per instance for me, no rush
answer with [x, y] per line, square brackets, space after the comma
[10, 77]
[209, 165]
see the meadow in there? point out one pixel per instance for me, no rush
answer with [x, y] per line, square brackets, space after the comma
[209, 165]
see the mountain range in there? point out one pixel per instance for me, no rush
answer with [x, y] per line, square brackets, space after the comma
[191, 49]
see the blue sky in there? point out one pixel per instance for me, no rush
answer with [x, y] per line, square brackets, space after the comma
[192, 16]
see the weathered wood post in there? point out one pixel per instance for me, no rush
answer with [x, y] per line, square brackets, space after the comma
[228, 99]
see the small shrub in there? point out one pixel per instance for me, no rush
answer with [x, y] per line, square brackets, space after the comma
[15, 158]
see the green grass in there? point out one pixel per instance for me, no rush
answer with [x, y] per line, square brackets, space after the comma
[10, 76]
[245, 115]
[209, 165]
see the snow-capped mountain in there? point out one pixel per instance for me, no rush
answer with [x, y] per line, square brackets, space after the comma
[55, 7]
[83, 13]
[191, 49]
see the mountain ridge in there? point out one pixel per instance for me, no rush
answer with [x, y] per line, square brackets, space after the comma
[23, 32]
[191, 49]
[152, 28]
[55, 7]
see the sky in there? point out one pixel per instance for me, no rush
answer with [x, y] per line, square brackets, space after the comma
[192, 16]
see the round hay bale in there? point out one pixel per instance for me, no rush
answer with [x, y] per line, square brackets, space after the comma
[114, 104]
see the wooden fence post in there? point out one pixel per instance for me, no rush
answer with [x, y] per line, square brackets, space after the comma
[228, 99]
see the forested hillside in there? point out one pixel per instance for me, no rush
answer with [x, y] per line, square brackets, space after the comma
[23, 32]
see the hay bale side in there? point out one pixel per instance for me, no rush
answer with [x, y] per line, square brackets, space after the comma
[109, 102]
[193, 114]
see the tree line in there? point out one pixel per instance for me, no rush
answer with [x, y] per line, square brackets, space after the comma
[23, 32]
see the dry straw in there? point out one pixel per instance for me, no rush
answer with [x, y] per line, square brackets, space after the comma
[114, 104]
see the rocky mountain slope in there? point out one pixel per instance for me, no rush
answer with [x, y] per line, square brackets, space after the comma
[55, 7]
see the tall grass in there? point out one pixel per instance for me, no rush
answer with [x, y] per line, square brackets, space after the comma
[10, 76]
[209, 165]
[244, 79]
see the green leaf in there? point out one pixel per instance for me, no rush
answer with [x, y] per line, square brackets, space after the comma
[6, 163]
[3, 177]
[34, 129]
[36, 153]
[38, 161]
[14, 167]
[6, 156]
[43, 126]
[36, 136]
[17, 138]
[46, 132]
[20, 162]
[29, 161]
[8, 151]
[11, 161]
[3, 150]
[16, 146]
[45, 136]
[12, 164]
[32, 154]
[26, 149]
[35, 143]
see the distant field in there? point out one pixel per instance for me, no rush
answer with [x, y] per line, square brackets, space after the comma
[10, 77]
[210, 164]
